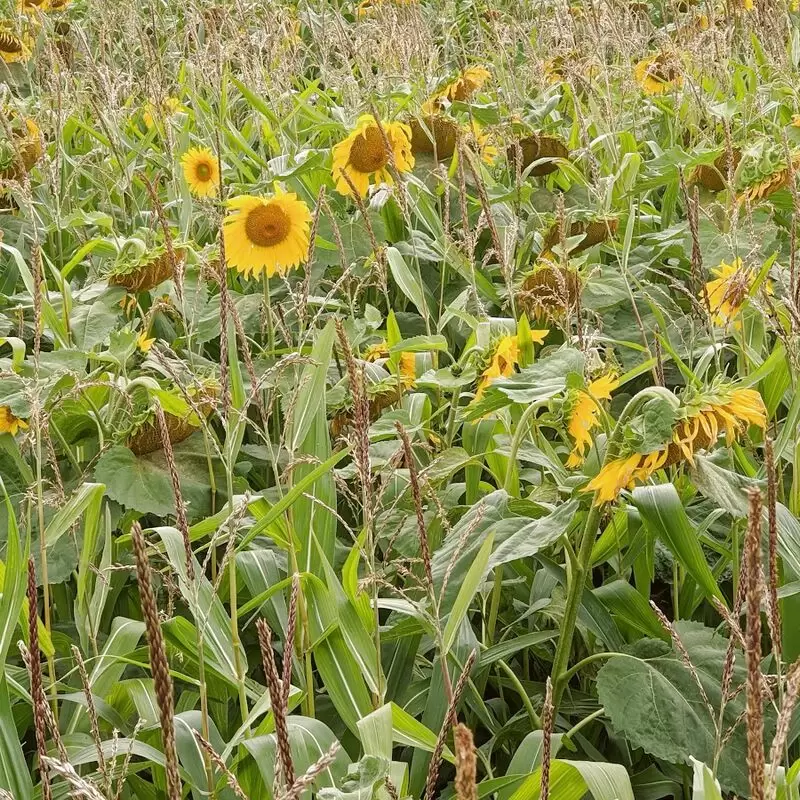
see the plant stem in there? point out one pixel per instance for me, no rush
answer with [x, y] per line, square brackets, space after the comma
[536, 722]
[577, 578]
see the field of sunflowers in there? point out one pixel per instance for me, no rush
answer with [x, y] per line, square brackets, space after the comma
[398, 399]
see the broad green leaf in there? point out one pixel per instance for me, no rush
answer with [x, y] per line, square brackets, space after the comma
[664, 515]
[654, 701]
[15, 777]
[467, 590]
[311, 389]
[406, 280]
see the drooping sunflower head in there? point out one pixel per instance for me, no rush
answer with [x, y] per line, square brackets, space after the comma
[504, 357]
[56, 5]
[658, 74]
[698, 423]
[266, 233]
[364, 155]
[201, 170]
[9, 423]
[544, 148]
[460, 89]
[14, 47]
[144, 271]
[715, 176]
[438, 135]
[550, 289]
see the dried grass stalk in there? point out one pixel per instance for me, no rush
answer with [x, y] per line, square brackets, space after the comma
[279, 710]
[466, 763]
[158, 662]
[754, 716]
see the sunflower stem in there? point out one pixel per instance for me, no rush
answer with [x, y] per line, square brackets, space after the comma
[577, 578]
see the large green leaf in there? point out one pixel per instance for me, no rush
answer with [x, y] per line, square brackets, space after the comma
[309, 740]
[654, 700]
[571, 780]
[14, 774]
[665, 517]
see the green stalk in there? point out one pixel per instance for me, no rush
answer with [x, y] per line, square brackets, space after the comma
[577, 578]
[516, 441]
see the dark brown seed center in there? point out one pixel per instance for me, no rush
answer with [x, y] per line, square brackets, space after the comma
[267, 225]
[368, 153]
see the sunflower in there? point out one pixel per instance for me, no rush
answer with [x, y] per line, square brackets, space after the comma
[143, 342]
[594, 232]
[658, 75]
[504, 358]
[438, 134]
[13, 47]
[482, 143]
[266, 233]
[407, 365]
[363, 154]
[169, 107]
[30, 6]
[535, 148]
[714, 176]
[549, 290]
[584, 416]
[10, 423]
[777, 180]
[459, 90]
[724, 410]
[728, 291]
[201, 170]
[147, 272]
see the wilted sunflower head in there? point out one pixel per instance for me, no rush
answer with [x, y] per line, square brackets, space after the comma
[537, 147]
[14, 47]
[266, 233]
[143, 272]
[364, 155]
[31, 6]
[201, 170]
[549, 290]
[658, 74]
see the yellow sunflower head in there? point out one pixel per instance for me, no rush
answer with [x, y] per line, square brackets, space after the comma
[376, 351]
[483, 143]
[55, 5]
[364, 155]
[266, 233]
[201, 170]
[14, 48]
[169, 107]
[728, 291]
[408, 369]
[615, 476]
[143, 342]
[584, 416]
[10, 423]
[459, 90]
[658, 74]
